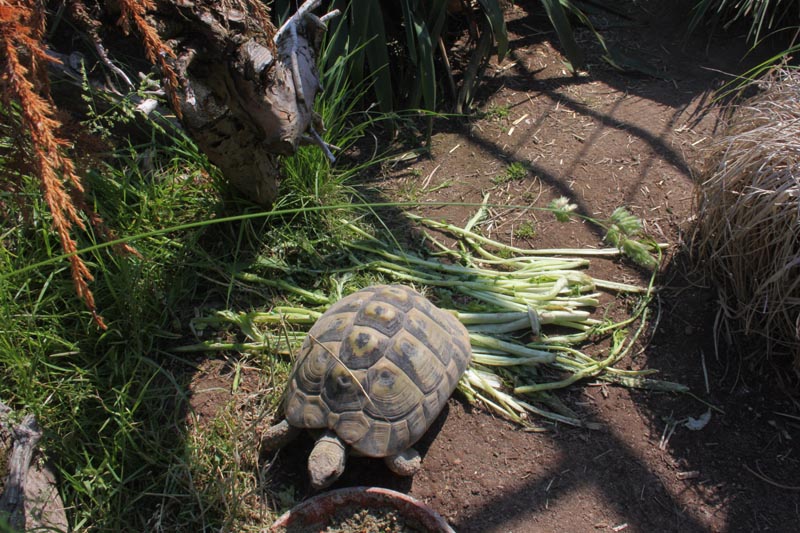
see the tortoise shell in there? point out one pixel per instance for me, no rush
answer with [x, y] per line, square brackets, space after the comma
[377, 368]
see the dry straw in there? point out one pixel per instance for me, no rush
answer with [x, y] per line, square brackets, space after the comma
[747, 235]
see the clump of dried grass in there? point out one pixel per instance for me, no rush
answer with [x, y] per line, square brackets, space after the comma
[747, 235]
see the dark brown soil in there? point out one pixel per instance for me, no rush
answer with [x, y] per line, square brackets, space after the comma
[603, 139]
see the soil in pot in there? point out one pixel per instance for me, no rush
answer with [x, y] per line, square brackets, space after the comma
[354, 519]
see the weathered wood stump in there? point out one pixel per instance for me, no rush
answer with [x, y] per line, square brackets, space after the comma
[242, 88]
[247, 88]
[29, 498]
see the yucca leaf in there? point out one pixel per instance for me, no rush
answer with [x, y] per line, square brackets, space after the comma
[377, 54]
[411, 40]
[494, 14]
[339, 35]
[471, 72]
[558, 18]
[360, 35]
[436, 18]
[426, 82]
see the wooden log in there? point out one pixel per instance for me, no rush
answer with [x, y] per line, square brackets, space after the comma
[29, 498]
[245, 99]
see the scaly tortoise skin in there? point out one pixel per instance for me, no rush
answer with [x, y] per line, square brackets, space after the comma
[374, 371]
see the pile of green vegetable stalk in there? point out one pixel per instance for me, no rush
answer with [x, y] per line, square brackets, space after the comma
[528, 312]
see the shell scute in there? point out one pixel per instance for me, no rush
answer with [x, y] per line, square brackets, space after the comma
[307, 411]
[343, 389]
[416, 360]
[430, 333]
[391, 393]
[361, 347]
[381, 316]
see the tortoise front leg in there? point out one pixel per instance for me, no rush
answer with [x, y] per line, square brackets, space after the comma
[279, 436]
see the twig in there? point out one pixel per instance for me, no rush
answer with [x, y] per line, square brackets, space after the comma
[787, 415]
[705, 370]
[302, 14]
[325, 147]
[98, 46]
[296, 78]
[669, 429]
[760, 475]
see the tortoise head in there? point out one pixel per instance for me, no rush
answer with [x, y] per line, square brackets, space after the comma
[326, 461]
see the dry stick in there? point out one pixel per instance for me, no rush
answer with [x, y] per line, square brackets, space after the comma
[298, 81]
[304, 13]
[98, 46]
[760, 475]
[12, 503]
[448, 68]
[326, 148]
[304, 9]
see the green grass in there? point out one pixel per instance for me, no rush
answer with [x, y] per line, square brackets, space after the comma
[116, 404]
[498, 112]
[526, 230]
[99, 396]
[514, 172]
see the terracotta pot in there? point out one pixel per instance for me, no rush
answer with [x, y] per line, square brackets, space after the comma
[319, 509]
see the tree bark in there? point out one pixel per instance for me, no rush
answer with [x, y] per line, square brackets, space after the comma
[245, 98]
[29, 498]
[245, 90]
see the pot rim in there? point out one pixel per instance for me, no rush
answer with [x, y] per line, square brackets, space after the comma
[322, 505]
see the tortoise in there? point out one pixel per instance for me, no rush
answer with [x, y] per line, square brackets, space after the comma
[372, 375]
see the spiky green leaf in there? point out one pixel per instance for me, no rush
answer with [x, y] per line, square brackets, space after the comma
[494, 14]
[558, 17]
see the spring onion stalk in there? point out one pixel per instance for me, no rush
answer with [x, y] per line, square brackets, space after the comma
[482, 383]
[488, 359]
[528, 316]
[520, 263]
[644, 383]
[590, 370]
[472, 236]
[552, 267]
[210, 346]
[278, 315]
[307, 296]
[511, 348]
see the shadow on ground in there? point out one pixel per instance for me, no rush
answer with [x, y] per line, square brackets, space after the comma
[646, 471]
[601, 140]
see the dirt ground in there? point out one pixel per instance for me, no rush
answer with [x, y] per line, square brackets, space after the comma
[603, 139]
